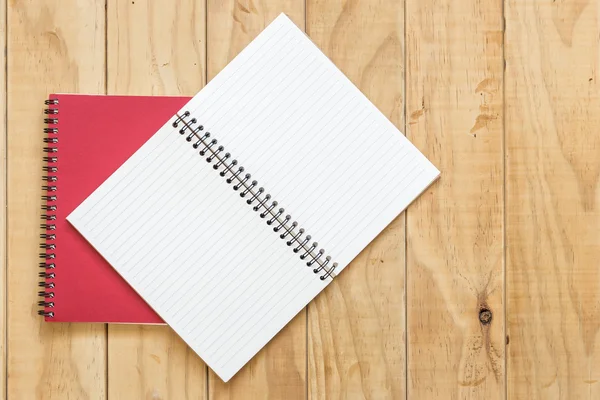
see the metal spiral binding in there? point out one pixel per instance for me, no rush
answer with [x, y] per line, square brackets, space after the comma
[216, 154]
[47, 256]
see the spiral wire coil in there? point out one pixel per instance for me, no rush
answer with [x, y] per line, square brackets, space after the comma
[242, 182]
[48, 216]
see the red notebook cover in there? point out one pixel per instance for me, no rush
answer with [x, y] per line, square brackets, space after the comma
[88, 138]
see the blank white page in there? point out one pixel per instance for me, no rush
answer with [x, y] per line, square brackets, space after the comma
[197, 253]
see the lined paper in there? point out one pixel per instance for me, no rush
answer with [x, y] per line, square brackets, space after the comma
[197, 253]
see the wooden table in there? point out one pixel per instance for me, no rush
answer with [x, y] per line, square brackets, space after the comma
[488, 285]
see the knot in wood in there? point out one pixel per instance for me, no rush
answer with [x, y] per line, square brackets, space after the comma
[485, 316]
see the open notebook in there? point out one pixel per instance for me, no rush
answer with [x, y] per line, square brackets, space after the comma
[253, 197]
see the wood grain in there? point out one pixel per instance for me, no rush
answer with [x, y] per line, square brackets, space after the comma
[154, 49]
[52, 49]
[455, 229]
[453, 233]
[553, 199]
[278, 371]
[356, 326]
[3, 212]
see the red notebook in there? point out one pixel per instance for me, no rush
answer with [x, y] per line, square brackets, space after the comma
[88, 138]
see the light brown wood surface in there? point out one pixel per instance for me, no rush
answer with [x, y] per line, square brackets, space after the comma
[154, 50]
[49, 49]
[454, 249]
[356, 326]
[279, 370]
[3, 215]
[512, 226]
[553, 199]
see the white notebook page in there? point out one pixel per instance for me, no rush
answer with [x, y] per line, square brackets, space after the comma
[197, 253]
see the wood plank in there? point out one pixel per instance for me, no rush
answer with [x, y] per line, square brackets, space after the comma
[279, 370]
[455, 229]
[52, 47]
[553, 199]
[357, 325]
[154, 49]
[3, 229]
